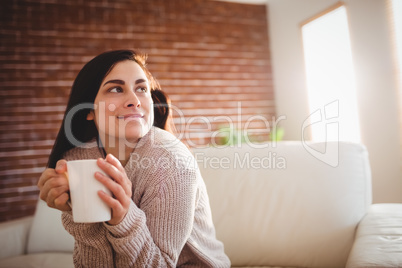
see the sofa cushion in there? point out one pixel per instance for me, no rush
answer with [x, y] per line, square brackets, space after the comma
[14, 236]
[379, 238]
[39, 260]
[47, 233]
[282, 205]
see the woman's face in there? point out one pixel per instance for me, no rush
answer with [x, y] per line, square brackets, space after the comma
[123, 105]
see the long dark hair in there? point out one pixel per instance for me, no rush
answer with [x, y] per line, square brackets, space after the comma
[82, 96]
[163, 111]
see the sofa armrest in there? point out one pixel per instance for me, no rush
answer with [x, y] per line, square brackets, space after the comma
[14, 237]
[378, 241]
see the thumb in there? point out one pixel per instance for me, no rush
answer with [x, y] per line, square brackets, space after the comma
[61, 166]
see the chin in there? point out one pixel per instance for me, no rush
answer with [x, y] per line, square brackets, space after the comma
[136, 133]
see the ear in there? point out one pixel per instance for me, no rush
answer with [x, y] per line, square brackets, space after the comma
[91, 115]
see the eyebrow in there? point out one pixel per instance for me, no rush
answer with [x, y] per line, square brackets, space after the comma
[121, 82]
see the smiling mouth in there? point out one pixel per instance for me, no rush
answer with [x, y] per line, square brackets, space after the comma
[130, 116]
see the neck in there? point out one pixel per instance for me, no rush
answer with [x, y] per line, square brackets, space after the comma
[120, 149]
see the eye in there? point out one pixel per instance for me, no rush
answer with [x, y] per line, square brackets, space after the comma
[115, 90]
[142, 89]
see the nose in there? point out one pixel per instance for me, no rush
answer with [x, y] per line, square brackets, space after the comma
[133, 101]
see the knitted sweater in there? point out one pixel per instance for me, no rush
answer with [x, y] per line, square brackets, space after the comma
[169, 221]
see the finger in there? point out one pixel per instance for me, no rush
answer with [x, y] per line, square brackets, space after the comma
[113, 203]
[57, 181]
[61, 202]
[114, 161]
[118, 210]
[111, 170]
[56, 192]
[113, 186]
[118, 176]
[43, 183]
[61, 166]
[58, 197]
[54, 182]
[45, 176]
[117, 190]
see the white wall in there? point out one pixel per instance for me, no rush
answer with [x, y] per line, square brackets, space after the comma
[375, 77]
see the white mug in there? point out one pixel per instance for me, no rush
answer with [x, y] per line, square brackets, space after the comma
[86, 203]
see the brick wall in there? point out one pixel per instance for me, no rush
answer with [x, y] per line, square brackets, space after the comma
[211, 57]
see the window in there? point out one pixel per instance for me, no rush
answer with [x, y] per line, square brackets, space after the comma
[396, 24]
[395, 7]
[330, 77]
[396, 11]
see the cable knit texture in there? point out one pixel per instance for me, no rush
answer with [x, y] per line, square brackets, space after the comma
[169, 222]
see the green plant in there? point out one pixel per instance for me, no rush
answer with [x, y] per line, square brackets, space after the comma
[232, 136]
[276, 134]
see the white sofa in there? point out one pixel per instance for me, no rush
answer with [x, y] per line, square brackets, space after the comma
[289, 204]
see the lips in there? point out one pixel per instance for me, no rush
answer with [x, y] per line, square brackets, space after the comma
[130, 116]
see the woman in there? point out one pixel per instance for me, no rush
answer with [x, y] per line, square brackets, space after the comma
[160, 209]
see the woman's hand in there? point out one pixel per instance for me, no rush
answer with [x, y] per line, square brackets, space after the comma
[54, 188]
[118, 184]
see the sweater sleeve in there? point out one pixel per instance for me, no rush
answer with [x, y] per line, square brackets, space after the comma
[91, 248]
[156, 233]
